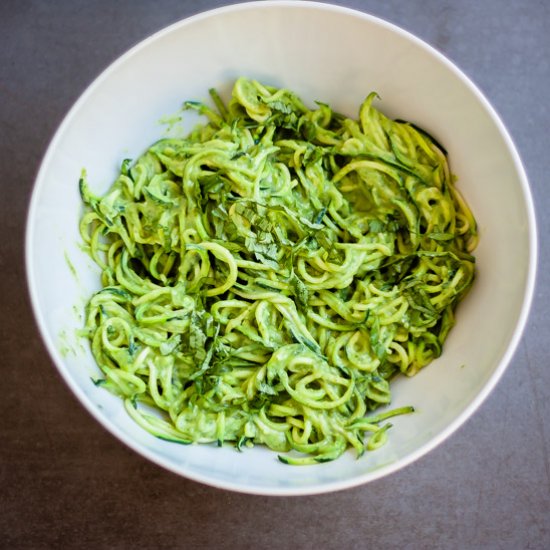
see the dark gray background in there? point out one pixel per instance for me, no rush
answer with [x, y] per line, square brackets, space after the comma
[67, 483]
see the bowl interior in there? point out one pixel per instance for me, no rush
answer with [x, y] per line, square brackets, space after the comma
[323, 53]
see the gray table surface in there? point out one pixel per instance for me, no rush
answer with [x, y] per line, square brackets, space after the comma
[65, 482]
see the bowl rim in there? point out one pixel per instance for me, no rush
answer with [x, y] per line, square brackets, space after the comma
[318, 488]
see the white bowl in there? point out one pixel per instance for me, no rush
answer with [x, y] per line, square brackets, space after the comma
[323, 52]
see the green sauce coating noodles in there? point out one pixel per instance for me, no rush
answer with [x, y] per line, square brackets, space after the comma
[266, 277]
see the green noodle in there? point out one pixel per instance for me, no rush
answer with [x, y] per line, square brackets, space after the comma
[266, 277]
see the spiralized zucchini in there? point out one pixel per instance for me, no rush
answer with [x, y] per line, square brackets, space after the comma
[266, 277]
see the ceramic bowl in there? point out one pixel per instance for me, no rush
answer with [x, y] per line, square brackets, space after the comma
[322, 52]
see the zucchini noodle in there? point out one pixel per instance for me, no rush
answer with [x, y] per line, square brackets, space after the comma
[264, 278]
